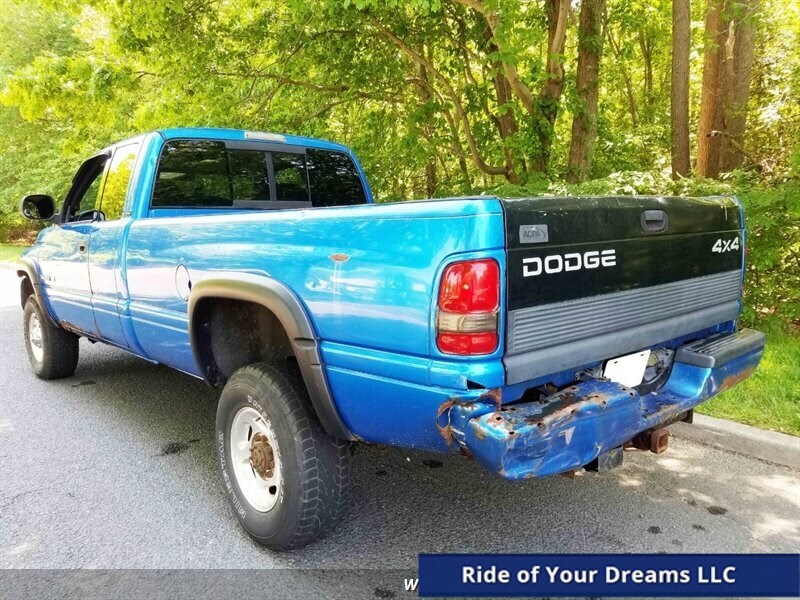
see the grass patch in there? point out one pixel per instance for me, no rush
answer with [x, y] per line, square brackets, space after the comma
[9, 253]
[770, 398]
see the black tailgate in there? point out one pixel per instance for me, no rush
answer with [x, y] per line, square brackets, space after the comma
[683, 249]
[590, 278]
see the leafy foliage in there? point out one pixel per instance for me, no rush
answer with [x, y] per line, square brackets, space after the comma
[437, 97]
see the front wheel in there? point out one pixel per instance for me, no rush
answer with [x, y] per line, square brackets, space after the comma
[52, 351]
[286, 479]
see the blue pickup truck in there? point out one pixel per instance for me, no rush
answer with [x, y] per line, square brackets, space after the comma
[536, 335]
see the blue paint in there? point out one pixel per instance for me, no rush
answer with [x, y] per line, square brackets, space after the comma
[373, 314]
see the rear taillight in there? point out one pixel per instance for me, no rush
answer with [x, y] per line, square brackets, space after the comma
[469, 300]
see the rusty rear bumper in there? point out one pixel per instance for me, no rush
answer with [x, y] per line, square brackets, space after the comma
[571, 428]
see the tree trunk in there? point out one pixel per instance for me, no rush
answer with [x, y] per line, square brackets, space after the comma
[738, 91]
[506, 123]
[431, 176]
[584, 124]
[550, 96]
[505, 119]
[646, 47]
[626, 76]
[710, 101]
[726, 85]
[679, 95]
[431, 179]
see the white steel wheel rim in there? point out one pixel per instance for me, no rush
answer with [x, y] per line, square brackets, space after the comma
[260, 486]
[35, 337]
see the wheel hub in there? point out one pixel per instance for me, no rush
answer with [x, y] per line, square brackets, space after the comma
[35, 337]
[255, 458]
[262, 459]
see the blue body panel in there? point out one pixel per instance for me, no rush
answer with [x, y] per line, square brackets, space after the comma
[377, 288]
[390, 386]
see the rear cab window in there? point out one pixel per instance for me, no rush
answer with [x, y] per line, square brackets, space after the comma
[210, 174]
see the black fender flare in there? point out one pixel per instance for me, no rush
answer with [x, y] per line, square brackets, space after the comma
[285, 305]
[26, 269]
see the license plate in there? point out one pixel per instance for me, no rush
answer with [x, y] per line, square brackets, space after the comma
[627, 370]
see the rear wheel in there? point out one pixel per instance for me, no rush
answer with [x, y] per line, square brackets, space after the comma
[52, 351]
[286, 479]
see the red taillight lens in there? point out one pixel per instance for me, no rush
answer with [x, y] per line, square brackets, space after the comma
[471, 286]
[469, 299]
[467, 344]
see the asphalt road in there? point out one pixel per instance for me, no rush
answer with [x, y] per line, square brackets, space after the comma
[114, 468]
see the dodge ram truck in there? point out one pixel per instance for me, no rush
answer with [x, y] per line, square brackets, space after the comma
[536, 335]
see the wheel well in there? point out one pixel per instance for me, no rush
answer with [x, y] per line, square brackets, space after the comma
[234, 333]
[25, 288]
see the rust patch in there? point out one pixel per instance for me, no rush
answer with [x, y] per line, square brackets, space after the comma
[559, 408]
[500, 421]
[563, 407]
[732, 380]
[262, 458]
[659, 441]
[654, 440]
[496, 396]
[444, 430]
[339, 257]
[73, 328]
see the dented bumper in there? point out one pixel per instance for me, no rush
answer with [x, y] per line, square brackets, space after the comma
[569, 429]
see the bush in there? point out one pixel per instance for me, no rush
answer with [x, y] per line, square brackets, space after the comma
[772, 286]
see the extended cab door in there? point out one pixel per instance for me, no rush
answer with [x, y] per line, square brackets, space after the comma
[64, 254]
[106, 241]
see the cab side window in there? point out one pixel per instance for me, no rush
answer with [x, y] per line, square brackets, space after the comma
[83, 198]
[118, 179]
[91, 198]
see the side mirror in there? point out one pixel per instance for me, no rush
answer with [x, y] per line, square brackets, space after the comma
[38, 207]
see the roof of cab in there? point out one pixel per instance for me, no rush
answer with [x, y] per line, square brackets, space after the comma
[212, 133]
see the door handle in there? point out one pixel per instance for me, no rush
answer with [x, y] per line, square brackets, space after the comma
[654, 221]
[82, 247]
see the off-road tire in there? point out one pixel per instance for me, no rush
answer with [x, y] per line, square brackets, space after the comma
[59, 348]
[314, 467]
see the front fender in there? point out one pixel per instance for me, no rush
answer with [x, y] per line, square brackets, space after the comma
[27, 270]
